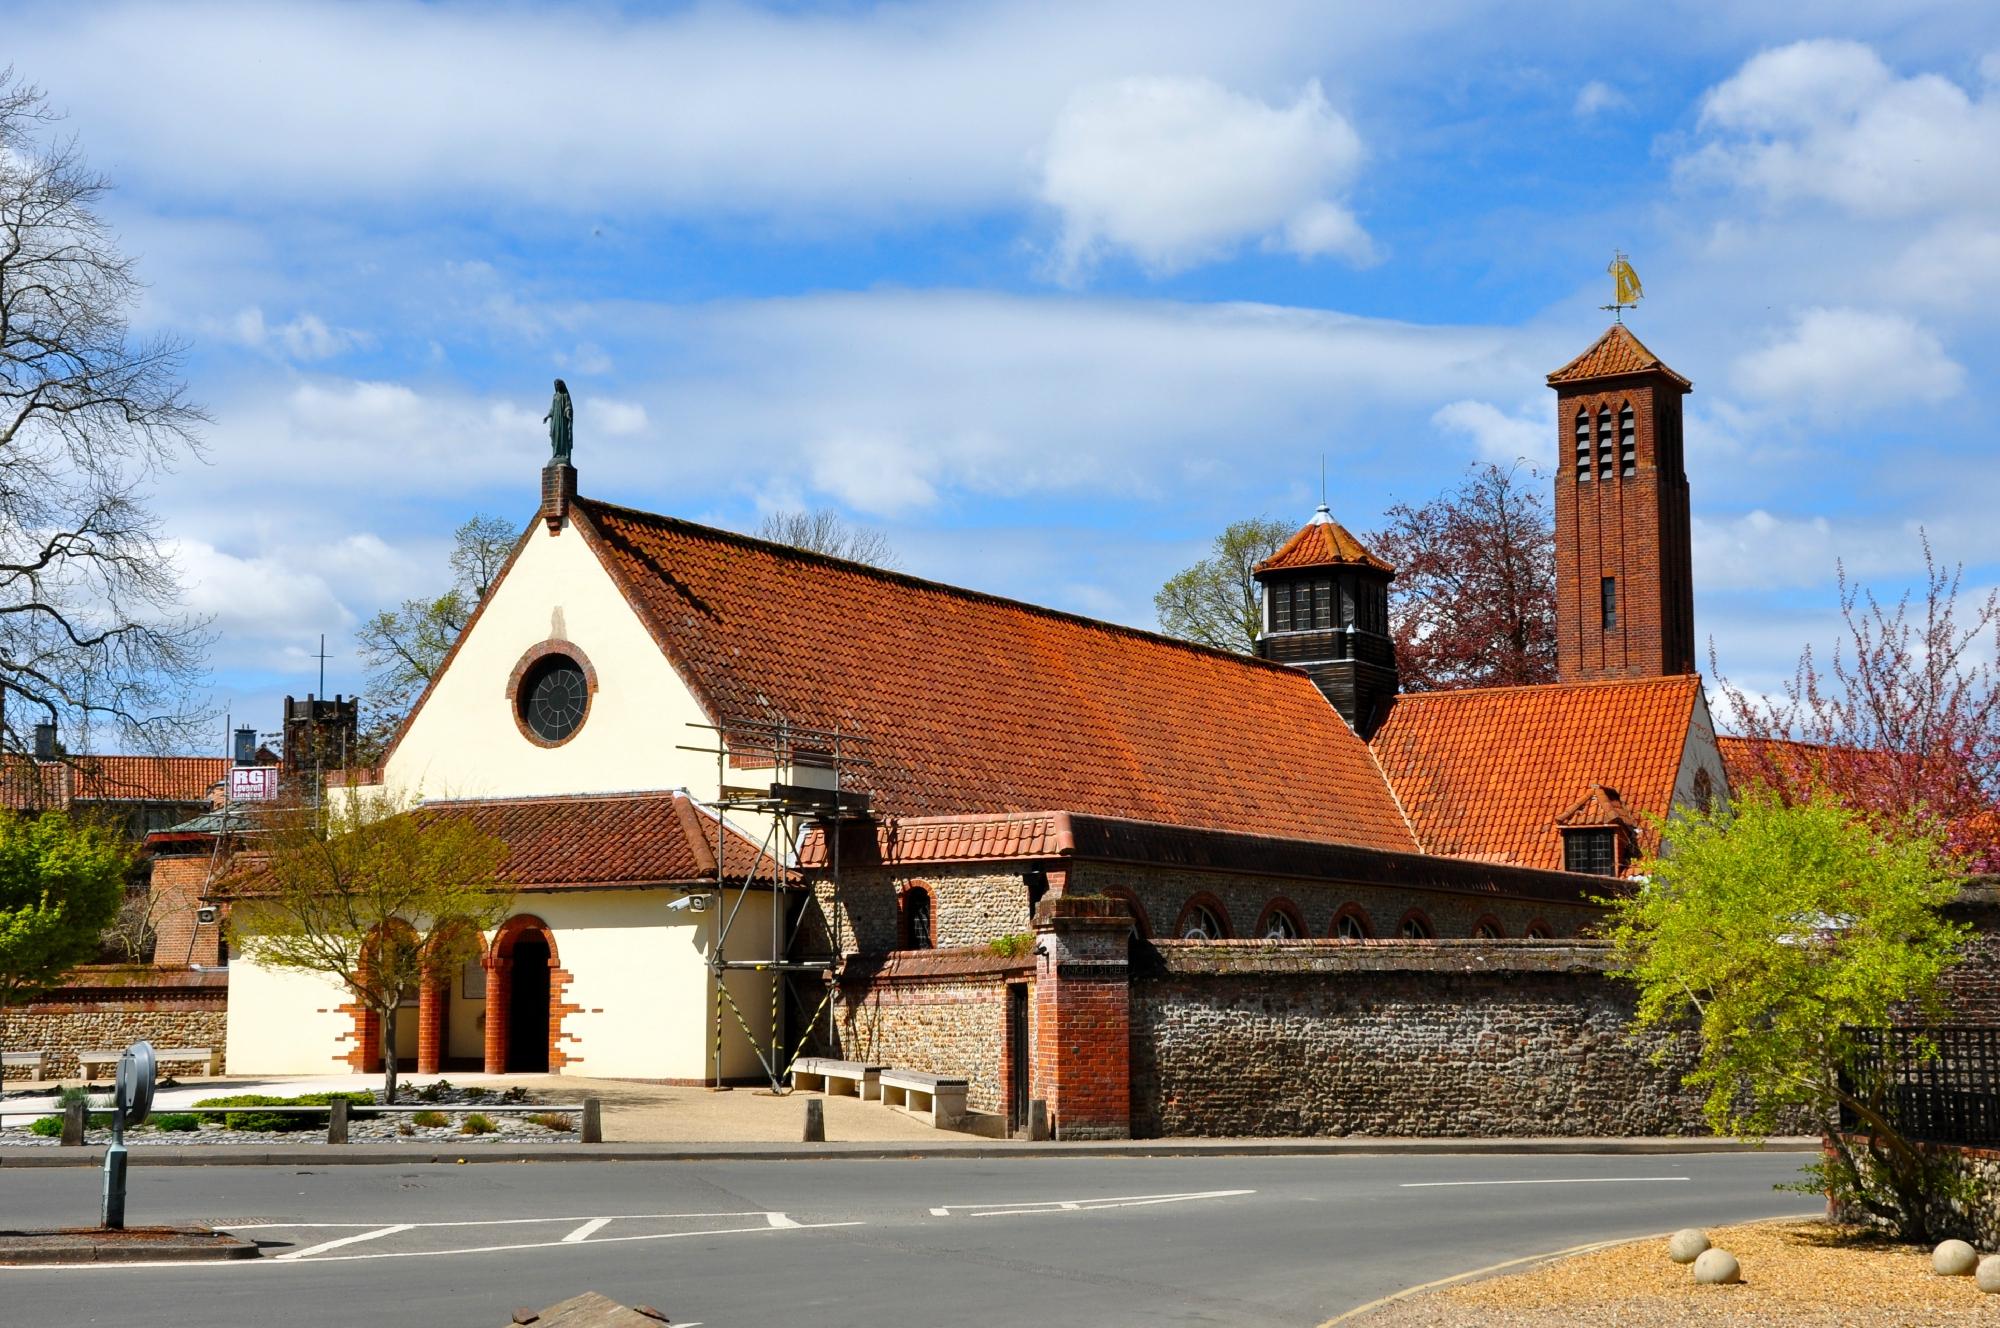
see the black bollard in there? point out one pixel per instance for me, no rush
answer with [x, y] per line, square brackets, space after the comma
[815, 1121]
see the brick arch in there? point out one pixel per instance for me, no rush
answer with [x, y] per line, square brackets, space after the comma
[1140, 922]
[906, 920]
[1280, 904]
[1419, 917]
[1538, 930]
[434, 998]
[1358, 913]
[500, 988]
[1203, 899]
[1492, 925]
[364, 1036]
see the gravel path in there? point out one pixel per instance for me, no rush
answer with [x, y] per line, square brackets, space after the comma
[1795, 1275]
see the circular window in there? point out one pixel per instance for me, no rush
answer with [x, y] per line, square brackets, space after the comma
[553, 697]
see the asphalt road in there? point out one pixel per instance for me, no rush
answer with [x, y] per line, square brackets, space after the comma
[933, 1242]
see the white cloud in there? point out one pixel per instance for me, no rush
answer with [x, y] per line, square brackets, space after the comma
[1828, 120]
[1176, 171]
[1597, 97]
[618, 419]
[1835, 361]
[306, 337]
[1496, 435]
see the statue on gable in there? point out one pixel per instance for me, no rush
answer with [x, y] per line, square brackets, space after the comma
[561, 420]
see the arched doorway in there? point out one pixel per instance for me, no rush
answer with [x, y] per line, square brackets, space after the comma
[528, 1006]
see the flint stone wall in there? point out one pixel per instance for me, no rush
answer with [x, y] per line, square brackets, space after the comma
[111, 1007]
[938, 1012]
[1442, 1038]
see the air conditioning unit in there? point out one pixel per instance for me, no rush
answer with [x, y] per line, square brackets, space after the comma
[207, 914]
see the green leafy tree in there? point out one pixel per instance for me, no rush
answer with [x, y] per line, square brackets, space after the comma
[61, 884]
[379, 893]
[1214, 602]
[1788, 935]
[404, 647]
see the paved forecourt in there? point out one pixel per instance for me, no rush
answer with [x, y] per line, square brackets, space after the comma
[1115, 1240]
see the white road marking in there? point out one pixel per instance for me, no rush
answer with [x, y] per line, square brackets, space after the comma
[478, 1222]
[779, 1221]
[584, 1232]
[557, 1244]
[1567, 1180]
[1079, 1205]
[345, 1240]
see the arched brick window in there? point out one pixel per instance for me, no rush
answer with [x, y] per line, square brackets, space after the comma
[1416, 926]
[1350, 923]
[914, 921]
[1142, 926]
[1704, 790]
[1539, 930]
[1280, 921]
[1488, 929]
[1203, 918]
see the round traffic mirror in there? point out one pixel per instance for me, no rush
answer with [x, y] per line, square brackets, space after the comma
[135, 1083]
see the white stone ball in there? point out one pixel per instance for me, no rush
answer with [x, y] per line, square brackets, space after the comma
[1686, 1245]
[1987, 1275]
[1954, 1258]
[1717, 1268]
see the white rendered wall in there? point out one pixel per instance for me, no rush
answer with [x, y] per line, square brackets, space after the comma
[281, 1022]
[1701, 752]
[464, 742]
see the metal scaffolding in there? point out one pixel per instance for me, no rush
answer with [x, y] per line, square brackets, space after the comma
[805, 789]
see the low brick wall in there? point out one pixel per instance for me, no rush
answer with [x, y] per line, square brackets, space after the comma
[937, 1011]
[1460, 1038]
[107, 1007]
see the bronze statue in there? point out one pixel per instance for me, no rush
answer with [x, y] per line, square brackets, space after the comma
[561, 420]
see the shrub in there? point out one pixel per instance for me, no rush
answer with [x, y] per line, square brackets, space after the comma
[477, 1123]
[1014, 946]
[430, 1120]
[404, 1127]
[176, 1122]
[552, 1120]
[48, 1127]
[275, 1122]
[99, 1120]
[434, 1092]
[477, 1094]
[517, 1093]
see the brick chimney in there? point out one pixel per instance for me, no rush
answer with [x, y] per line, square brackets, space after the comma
[558, 492]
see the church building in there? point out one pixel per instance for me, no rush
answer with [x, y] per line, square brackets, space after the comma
[744, 786]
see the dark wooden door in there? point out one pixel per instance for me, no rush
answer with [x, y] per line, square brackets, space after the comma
[1017, 1068]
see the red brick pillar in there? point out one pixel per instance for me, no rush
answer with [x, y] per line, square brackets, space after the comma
[499, 984]
[432, 1001]
[1083, 1016]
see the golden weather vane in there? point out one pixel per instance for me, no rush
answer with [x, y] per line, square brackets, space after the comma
[1628, 291]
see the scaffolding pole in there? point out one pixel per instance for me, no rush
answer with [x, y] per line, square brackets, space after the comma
[807, 788]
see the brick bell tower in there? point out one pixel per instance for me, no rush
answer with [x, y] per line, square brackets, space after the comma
[1326, 611]
[1624, 573]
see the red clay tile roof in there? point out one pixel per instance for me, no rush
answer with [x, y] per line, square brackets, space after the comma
[1085, 838]
[973, 703]
[1484, 773]
[1612, 355]
[1322, 542]
[26, 783]
[602, 840]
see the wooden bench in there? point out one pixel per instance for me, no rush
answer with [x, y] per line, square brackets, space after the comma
[838, 1078]
[938, 1096]
[208, 1058]
[37, 1061]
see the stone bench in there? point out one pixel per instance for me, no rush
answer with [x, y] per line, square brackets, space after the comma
[838, 1078]
[938, 1096]
[208, 1058]
[36, 1061]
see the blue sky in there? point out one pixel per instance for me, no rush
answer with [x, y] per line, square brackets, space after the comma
[1048, 292]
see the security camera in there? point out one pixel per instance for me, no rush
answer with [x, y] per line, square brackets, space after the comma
[689, 904]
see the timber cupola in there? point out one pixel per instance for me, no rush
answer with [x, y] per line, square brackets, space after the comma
[1326, 611]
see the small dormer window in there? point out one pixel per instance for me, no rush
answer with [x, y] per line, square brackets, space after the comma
[1592, 851]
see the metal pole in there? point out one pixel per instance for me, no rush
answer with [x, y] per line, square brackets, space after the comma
[114, 1173]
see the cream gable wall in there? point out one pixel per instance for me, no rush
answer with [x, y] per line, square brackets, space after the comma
[1700, 752]
[464, 742]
